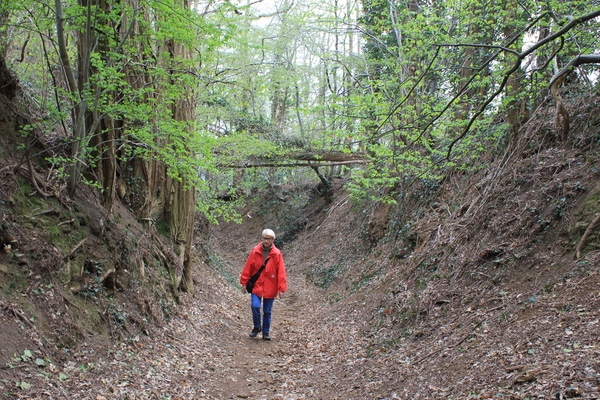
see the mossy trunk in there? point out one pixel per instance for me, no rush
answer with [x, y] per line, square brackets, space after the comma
[180, 201]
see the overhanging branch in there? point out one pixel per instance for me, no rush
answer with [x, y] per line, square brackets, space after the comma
[520, 56]
[313, 158]
[561, 110]
[293, 165]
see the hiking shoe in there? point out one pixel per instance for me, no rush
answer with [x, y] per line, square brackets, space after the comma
[254, 332]
[266, 336]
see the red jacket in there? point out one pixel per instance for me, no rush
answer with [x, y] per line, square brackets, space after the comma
[272, 280]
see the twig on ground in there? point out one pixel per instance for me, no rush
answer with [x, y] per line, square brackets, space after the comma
[76, 248]
[587, 233]
[19, 315]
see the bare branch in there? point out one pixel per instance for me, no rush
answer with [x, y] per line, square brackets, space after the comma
[471, 79]
[294, 165]
[555, 82]
[520, 56]
[484, 46]
[574, 22]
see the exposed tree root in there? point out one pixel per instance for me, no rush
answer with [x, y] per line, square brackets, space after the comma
[561, 111]
[587, 233]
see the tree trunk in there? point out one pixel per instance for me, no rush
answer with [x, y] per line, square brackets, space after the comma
[79, 107]
[516, 106]
[8, 83]
[180, 202]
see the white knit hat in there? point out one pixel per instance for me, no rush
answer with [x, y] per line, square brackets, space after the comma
[268, 232]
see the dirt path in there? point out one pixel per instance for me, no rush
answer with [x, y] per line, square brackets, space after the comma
[258, 369]
[311, 352]
[204, 351]
[254, 368]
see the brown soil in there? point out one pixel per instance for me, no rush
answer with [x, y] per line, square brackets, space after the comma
[472, 289]
[475, 342]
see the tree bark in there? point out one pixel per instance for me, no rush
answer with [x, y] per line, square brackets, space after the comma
[8, 83]
[79, 107]
[180, 203]
[561, 118]
[515, 106]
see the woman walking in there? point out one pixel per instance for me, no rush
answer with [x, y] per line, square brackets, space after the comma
[271, 282]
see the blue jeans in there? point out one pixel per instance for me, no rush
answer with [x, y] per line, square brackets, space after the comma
[267, 305]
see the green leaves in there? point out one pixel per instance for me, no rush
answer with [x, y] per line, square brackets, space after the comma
[40, 362]
[23, 385]
[26, 356]
[423, 80]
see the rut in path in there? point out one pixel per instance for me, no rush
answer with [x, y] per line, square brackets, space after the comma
[258, 369]
[316, 352]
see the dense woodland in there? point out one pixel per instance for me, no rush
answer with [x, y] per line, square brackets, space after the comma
[151, 102]
[455, 143]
